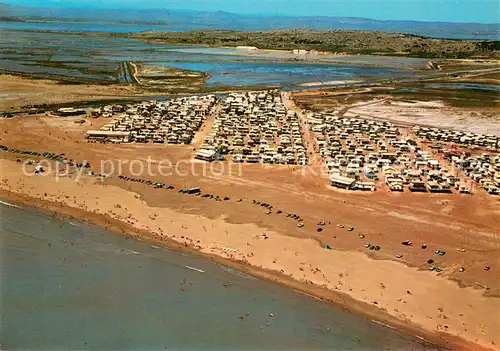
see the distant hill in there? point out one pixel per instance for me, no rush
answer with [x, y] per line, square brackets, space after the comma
[11, 19]
[188, 20]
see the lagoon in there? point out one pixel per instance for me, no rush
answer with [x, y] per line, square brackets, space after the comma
[97, 58]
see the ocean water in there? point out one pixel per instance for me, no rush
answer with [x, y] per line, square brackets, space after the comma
[68, 285]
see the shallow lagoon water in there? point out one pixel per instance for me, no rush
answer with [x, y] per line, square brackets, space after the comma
[68, 285]
[465, 86]
[234, 23]
[103, 27]
[63, 54]
[280, 74]
[98, 58]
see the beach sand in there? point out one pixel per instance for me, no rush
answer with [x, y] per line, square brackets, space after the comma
[419, 301]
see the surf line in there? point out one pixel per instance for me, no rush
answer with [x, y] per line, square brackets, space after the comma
[195, 269]
[8, 204]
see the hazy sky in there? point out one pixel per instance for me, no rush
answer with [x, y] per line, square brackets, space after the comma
[484, 11]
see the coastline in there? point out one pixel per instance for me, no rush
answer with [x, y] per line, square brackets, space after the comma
[61, 205]
[348, 304]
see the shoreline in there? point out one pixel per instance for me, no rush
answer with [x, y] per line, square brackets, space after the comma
[337, 298]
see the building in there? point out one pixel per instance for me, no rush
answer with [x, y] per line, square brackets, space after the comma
[243, 47]
[365, 186]
[206, 155]
[418, 187]
[342, 182]
[107, 136]
[70, 111]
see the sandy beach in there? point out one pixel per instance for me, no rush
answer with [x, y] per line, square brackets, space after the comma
[410, 298]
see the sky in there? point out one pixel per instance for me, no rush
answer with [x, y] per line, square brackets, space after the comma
[476, 11]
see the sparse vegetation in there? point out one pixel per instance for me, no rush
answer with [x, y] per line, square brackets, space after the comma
[352, 42]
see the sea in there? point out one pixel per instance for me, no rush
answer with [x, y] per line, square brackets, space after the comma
[67, 285]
